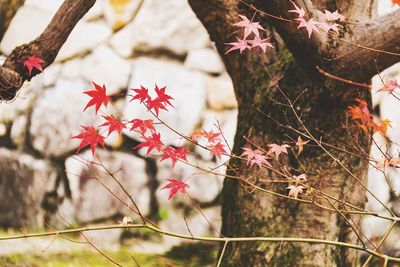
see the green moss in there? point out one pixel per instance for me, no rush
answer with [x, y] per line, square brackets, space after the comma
[284, 58]
[188, 256]
[291, 255]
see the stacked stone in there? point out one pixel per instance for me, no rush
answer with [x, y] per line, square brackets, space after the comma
[123, 44]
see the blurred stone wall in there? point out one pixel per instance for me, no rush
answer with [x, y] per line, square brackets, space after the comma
[123, 44]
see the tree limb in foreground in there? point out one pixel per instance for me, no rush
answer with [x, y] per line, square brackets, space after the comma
[46, 46]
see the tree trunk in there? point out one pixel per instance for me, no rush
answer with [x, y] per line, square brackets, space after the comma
[265, 117]
[8, 8]
[248, 212]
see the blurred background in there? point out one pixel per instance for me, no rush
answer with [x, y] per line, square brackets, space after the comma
[124, 44]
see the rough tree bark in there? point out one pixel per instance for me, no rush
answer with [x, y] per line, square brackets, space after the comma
[46, 46]
[322, 106]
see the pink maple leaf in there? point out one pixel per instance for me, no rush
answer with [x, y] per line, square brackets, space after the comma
[310, 25]
[390, 87]
[300, 11]
[33, 62]
[98, 96]
[175, 186]
[300, 144]
[295, 190]
[299, 178]
[241, 45]
[277, 149]
[261, 43]
[249, 26]
[255, 157]
[332, 16]
[90, 137]
[327, 26]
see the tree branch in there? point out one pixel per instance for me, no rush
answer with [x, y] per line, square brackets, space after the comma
[218, 17]
[46, 46]
[358, 10]
[305, 50]
[202, 238]
[8, 8]
[369, 46]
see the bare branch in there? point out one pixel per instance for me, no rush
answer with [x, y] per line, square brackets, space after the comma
[46, 46]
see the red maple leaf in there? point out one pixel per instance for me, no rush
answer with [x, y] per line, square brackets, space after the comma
[151, 142]
[163, 97]
[89, 137]
[33, 62]
[217, 149]
[155, 104]
[142, 94]
[176, 186]
[143, 125]
[114, 124]
[160, 102]
[174, 154]
[211, 136]
[98, 96]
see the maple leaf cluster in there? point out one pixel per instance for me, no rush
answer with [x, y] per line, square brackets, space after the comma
[390, 87]
[295, 187]
[255, 157]
[155, 104]
[366, 121]
[261, 158]
[151, 139]
[251, 29]
[214, 143]
[327, 24]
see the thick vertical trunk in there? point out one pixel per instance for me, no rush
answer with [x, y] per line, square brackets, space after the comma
[248, 212]
[265, 117]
